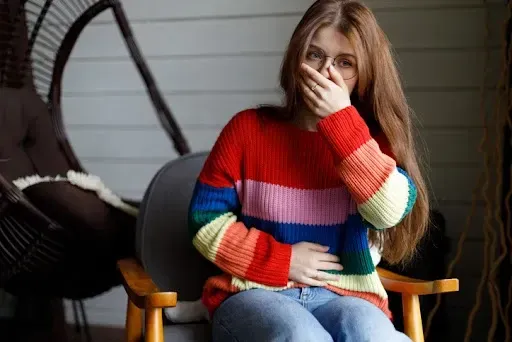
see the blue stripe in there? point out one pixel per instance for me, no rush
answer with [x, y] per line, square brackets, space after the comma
[349, 237]
[355, 239]
[209, 198]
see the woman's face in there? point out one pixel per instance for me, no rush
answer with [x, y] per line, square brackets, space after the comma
[329, 46]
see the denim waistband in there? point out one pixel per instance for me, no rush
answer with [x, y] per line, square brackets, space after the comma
[310, 297]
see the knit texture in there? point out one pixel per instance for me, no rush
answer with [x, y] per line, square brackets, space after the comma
[267, 185]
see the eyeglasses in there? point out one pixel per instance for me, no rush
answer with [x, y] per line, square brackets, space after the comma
[345, 65]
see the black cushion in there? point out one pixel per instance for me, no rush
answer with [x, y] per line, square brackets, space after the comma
[28, 144]
[98, 235]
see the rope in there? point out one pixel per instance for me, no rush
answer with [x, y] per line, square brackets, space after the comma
[491, 259]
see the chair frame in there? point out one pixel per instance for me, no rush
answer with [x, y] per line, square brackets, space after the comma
[145, 297]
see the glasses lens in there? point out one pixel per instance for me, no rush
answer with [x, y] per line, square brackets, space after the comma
[345, 67]
[348, 73]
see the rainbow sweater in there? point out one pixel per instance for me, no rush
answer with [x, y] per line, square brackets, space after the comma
[268, 184]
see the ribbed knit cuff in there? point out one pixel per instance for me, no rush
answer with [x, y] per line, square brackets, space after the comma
[345, 131]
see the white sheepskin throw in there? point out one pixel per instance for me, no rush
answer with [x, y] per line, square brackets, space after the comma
[84, 181]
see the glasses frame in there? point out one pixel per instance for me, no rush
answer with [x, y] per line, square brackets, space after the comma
[324, 59]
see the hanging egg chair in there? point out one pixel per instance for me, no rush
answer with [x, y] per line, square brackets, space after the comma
[61, 229]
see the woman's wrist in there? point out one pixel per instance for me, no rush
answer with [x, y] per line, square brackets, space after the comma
[345, 131]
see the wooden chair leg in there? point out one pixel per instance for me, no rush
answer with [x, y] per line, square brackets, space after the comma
[133, 323]
[154, 325]
[413, 326]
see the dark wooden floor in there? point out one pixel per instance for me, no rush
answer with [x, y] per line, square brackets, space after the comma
[43, 320]
[100, 334]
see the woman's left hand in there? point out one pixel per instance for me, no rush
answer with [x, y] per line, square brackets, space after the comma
[324, 96]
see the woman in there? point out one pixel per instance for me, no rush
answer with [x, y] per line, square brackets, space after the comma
[290, 198]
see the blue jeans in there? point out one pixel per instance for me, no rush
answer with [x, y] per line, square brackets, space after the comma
[310, 314]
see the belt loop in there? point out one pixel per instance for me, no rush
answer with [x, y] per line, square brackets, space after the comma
[305, 292]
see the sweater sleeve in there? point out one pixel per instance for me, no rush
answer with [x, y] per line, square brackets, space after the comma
[384, 192]
[244, 252]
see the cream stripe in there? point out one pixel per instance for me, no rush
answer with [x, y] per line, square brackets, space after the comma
[359, 283]
[387, 206]
[209, 237]
[244, 284]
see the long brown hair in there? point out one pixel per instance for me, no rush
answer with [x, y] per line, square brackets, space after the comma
[379, 98]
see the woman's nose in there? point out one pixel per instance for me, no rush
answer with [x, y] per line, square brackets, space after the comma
[324, 68]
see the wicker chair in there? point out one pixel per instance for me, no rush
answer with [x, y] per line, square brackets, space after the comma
[38, 253]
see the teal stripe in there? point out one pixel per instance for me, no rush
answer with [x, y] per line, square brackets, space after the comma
[356, 263]
[412, 193]
[198, 219]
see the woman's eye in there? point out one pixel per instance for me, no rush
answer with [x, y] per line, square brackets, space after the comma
[345, 63]
[314, 55]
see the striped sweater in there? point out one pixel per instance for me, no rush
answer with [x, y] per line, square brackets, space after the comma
[268, 184]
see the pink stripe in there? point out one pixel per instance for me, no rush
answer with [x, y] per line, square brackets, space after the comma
[277, 203]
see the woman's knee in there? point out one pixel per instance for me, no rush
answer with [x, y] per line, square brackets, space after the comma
[355, 319]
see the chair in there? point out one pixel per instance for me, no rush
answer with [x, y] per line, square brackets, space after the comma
[162, 273]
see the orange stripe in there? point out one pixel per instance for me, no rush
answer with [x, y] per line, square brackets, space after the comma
[221, 282]
[366, 170]
[216, 290]
[237, 236]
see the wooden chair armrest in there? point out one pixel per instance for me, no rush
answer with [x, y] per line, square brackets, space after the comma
[398, 283]
[140, 287]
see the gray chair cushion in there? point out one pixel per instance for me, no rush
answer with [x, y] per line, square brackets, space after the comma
[188, 332]
[163, 242]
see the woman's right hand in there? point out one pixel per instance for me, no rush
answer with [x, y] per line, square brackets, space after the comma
[308, 262]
